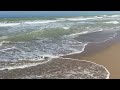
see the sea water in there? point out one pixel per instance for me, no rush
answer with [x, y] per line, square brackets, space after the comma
[37, 38]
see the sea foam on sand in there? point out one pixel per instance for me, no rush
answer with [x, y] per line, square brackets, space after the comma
[68, 68]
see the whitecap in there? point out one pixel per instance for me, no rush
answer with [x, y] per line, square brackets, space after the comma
[113, 22]
[8, 24]
[65, 27]
[40, 21]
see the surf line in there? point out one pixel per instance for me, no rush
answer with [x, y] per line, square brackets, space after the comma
[109, 38]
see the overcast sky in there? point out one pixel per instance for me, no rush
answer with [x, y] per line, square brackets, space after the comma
[54, 13]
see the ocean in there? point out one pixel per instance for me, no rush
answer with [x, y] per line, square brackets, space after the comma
[41, 39]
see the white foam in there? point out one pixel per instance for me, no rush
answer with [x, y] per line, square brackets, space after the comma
[50, 56]
[65, 27]
[40, 21]
[8, 48]
[114, 16]
[23, 66]
[113, 22]
[79, 18]
[1, 43]
[75, 34]
[98, 17]
[8, 24]
[75, 52]
[18, 67]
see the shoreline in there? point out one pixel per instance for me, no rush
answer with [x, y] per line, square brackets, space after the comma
[94, 53]
[105, 53]
[59, 68]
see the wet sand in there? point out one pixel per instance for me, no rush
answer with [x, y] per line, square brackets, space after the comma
[59, 69]
[110, 58]
[106, 54]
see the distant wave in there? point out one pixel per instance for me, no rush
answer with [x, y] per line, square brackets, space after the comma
[112, 22]
[8, 24]
[80, 18]
[111, 16]
[39, 21]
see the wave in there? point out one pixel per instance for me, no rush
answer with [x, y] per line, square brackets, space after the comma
[111, 16]
[16, 66]
[39, 21]
[65, 27]
[8, 24]
[37, 34]
[9, 49]
[44, 33]
[77, 51]
[80, 18]
[3, 42]
[75, 34]
[82, 32]
[61, 41]
[112, 22]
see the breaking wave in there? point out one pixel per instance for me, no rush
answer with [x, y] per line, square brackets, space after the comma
[8, 24]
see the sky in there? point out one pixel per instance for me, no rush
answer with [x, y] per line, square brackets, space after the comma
[53, 13]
